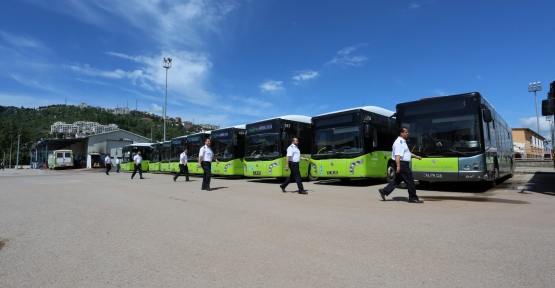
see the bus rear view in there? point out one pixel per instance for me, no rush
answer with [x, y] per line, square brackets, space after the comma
[460, 138]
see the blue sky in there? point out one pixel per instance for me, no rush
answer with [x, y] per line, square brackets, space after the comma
[238, 61]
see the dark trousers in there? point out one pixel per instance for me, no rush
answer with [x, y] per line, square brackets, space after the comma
[118, 166]
[295, 175]
[137, 168]
[183, 169]
[206, 166]
[108, 168]
[404, 175]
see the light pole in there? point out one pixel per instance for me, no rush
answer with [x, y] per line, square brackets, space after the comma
[535, 87]
[17, 160]
[167, 65]
[11, 146]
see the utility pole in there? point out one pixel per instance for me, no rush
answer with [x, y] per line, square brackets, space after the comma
[167, 65]
[17, 160]
[11, 146]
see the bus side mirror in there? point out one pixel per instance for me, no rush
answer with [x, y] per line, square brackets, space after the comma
[366, 129]
[487, 115]
[548, 107]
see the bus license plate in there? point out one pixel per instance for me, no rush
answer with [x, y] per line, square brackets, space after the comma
[255, 172]
[433, 175]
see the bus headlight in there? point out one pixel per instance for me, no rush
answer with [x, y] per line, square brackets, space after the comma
[476, 165]
[466, 167]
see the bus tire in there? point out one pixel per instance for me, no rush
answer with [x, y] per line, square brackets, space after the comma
[492, 184]
[390, 172]
[310, 176]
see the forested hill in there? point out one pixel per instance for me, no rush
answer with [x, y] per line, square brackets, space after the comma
[34, 123]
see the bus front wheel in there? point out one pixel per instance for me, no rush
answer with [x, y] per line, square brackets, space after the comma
[310, 176]
[390, 172]
[493, 183]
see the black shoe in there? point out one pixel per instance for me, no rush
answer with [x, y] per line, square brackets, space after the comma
[142, 178]
[174, 179]
[303, 192]
[187, 180]
[202, 188]
[282, 189]
[415, 201]
[208, 189]
[382, 193]
[106, 173]
[131, 177]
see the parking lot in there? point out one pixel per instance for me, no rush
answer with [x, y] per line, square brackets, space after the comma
[86, 229]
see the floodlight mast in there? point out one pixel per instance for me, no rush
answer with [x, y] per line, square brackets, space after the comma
[167, 65]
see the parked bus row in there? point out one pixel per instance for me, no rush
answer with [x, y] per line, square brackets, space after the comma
[460, 138]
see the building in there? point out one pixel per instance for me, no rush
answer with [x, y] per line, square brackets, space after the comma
[83, 105]
[187, 124]
[122, 110]
[82, 127]
[88, 151]
[528, 144]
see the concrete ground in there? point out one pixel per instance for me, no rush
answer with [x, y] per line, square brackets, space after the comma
[86, 229]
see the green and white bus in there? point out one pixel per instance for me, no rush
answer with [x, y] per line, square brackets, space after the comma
[194, 143]
[129, 151]
[354, 143]
[177, 146]
[156, 158]
[165, 156]
[267, 142]
[460, 138]
[228, 145]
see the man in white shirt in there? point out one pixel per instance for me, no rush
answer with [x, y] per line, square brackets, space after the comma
[118, 164]
[138, 159]
[402, 156]
[183, 169]
[108, 163]
[205, 157]
[293, 159]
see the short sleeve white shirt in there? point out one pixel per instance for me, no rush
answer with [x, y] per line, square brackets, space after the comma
[400, 148]
[183, 158]
[206, 153]
[294, 152]
[138, 159]
[117, 161]
[108, 160]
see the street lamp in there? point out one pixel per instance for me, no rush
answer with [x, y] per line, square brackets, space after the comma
[167, 65]
[535, 87]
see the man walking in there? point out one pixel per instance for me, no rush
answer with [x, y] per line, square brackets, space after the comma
[2, 166]
[118, 164]
[138, 159]
[183, 169]
[292, 161]
[108, 163]
[205, 157]
[402, 156]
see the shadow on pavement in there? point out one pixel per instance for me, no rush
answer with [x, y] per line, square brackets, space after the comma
[541, 182]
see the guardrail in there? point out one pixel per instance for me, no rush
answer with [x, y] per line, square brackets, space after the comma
[527, 162]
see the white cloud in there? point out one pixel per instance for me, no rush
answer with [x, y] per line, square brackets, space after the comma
[156, 109]
[187, 76]
[532, 123]
[414, 6]
[345, 58]
[21, 41]
[271, 85]
[304, 75]
[173, 22]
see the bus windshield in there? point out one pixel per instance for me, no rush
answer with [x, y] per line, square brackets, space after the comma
[441, 133]
[263, 146]
[338, 141]
[223, 148]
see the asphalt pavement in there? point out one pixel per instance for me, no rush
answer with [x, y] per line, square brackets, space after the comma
[82, 229]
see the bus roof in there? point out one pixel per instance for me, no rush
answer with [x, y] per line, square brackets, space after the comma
[200, 133]
[373, 109]
[446, 97]
[242, 126]
[141, 144]
[298, 118]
